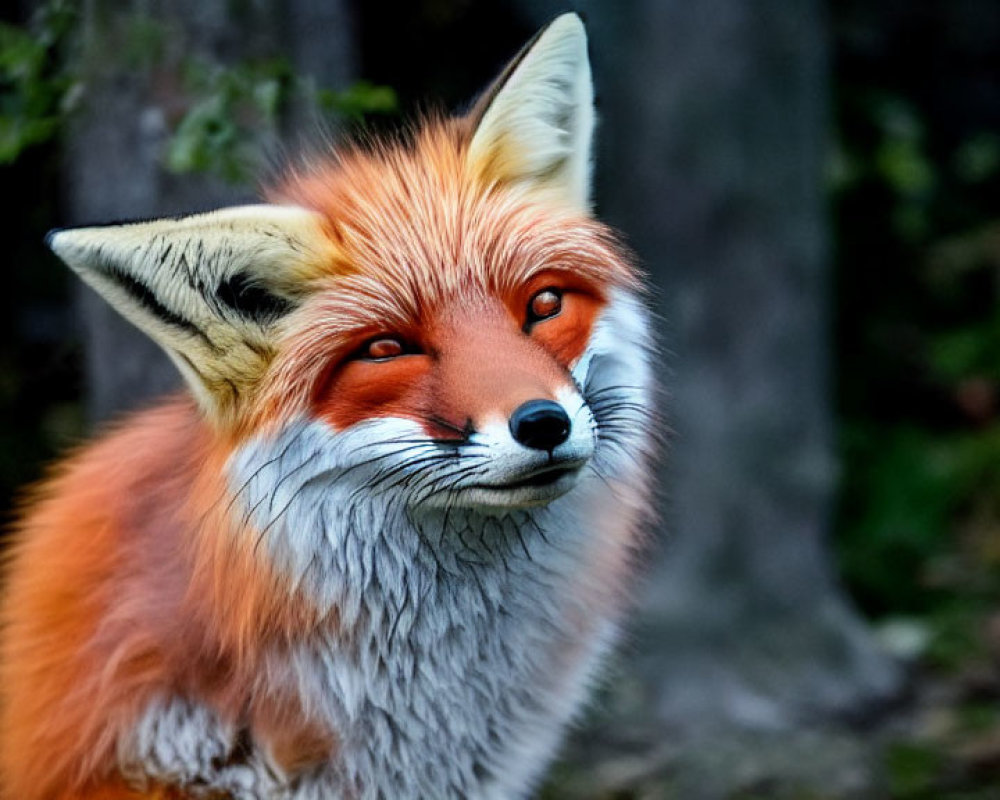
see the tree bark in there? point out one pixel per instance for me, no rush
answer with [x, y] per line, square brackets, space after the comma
[715, 123]
[114, 153]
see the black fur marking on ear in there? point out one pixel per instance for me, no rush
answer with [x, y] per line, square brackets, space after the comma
[145, 297]
[485, 100]
[239, 293]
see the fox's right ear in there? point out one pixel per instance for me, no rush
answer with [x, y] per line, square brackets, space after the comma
[209, 288]
[535, 124]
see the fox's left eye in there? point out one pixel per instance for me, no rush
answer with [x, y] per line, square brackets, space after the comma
[543, 305]
[383, 348]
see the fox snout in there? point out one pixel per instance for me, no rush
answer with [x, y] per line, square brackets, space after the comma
[529, 429]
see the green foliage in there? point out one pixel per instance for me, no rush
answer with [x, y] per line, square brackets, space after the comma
[978, 717]
[34, 88]
[357, 101]
[911, 486]
[907, 484]
[230, 111]
[221, 132]
[951, 757]
[919, 338]
[978, 158]
[955, 640]
[143, 43]
[913, 771]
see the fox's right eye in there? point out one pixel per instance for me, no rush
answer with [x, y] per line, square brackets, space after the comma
[383, 348]
[543, 305]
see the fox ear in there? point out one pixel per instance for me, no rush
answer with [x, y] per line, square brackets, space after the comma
[209, 288]
[536, 122]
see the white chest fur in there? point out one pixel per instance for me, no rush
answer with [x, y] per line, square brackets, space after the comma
[464, 639]
[459, 688]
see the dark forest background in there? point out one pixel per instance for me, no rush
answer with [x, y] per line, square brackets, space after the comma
[814, 189]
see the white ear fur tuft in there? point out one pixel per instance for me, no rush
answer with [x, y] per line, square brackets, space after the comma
[536, 124]
[208, 288]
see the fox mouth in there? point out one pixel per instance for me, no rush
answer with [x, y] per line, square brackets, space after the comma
[537, 479]
[530, 488]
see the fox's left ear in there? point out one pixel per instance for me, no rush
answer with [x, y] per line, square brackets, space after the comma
[536, 122]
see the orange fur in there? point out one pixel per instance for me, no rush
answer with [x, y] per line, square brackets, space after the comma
[457, 385]
[125, 583]
[418, 229]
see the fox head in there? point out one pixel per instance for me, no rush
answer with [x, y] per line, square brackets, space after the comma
[440, 319]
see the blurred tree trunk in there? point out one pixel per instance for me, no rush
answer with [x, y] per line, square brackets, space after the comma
[134, 56]
[715, 125]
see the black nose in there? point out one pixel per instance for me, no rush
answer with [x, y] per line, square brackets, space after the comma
[540, 424]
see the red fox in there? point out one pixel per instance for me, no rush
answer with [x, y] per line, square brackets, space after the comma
[379, 548]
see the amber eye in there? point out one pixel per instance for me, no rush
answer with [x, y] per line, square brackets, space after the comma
[546, 303]
[383, 348]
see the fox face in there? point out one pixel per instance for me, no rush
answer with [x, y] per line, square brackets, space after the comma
[468, 340]
[470, 337]
[403, 519]
[504, 430]
[453, 282]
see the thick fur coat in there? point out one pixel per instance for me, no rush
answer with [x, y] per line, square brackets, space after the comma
[380, 548]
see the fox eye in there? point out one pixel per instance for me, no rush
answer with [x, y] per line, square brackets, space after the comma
[383, 348]
[543, 305]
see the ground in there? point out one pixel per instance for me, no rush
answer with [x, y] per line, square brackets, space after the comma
[941, 741]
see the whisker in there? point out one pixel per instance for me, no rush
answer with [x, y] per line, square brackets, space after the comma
[416, 461]
[287, 475]
[235, 496]
[622, 388]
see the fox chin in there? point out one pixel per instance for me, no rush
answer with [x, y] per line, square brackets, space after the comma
[379, 546]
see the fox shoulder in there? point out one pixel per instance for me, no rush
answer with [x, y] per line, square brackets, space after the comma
[119, 579]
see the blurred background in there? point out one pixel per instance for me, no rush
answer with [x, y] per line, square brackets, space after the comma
[814, 190]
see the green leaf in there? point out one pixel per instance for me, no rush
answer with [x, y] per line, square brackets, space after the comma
[978, 159]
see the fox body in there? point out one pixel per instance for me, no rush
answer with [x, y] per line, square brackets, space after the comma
[379, 548]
